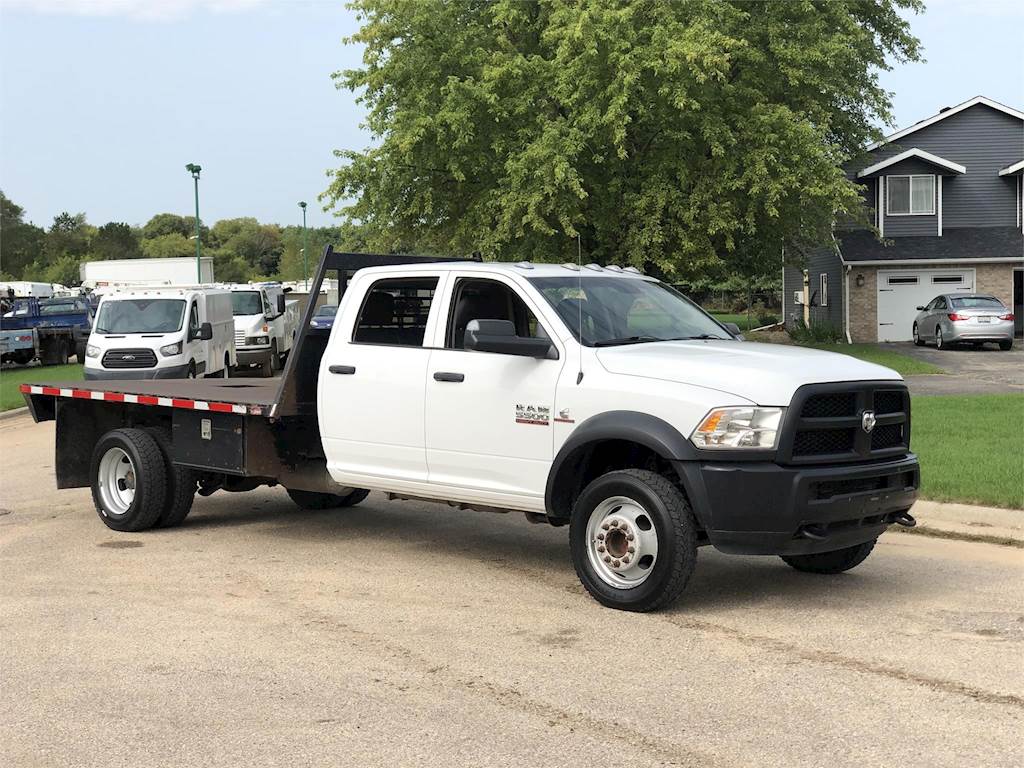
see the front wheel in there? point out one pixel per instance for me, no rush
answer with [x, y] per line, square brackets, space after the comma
[633, 540]
[129, 480]
[313, 500]
[918, 341]
[837, 561]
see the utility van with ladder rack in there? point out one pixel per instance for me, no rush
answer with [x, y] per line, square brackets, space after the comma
[592, 397]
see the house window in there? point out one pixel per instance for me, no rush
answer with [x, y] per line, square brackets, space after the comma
[823, 289]
[910, 195]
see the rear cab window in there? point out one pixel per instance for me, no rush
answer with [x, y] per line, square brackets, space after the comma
[395, 311]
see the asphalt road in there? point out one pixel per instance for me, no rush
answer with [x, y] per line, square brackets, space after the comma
[401, 634]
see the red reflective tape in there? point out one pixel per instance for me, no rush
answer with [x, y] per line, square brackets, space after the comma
[51, 391]
[221, 407]
[148, 400]
[175, 403]
[82, 393]
[25, 389]
[114, 397]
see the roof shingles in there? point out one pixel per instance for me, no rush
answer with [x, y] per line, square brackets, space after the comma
[955, 244]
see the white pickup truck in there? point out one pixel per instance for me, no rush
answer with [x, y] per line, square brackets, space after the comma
[266, 324]
[596, 398]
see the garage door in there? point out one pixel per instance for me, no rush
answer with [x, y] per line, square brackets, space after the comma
[900, 292]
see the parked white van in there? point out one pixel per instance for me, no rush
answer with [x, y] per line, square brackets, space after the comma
[162, 333]
[265, 324]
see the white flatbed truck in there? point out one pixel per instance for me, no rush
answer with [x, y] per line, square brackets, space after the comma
[596, 398]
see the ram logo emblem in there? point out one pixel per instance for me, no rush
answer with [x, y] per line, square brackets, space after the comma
[867, 421]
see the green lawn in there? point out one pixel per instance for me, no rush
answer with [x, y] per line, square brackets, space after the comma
[739, 318]
[873, 353]
[971, 448]
[10, 378]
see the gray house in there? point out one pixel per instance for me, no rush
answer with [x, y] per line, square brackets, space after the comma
[947, 200]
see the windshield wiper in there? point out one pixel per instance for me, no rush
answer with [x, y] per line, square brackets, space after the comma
[626, 340]
[701, 336]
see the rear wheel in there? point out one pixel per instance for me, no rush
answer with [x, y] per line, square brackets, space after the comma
[313, 500]
[918, 341]
[633, 540]
[940, 343]
[833, 562]
[181, 483]
[1006, 346]
[129, 480]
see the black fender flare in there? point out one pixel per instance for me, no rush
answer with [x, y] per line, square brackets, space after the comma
[641, 428]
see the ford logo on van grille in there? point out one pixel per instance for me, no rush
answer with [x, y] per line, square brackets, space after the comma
[129, 358]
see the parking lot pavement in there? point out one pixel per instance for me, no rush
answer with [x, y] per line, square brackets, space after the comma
[971, 371]
[410, 634]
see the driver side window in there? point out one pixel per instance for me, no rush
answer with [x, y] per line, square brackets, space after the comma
[478, 299]
[193, 320]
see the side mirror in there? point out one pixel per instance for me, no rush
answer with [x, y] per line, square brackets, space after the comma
[920, 309]
[500, 336]
[280, 303]
[205, 332]
[732, 328]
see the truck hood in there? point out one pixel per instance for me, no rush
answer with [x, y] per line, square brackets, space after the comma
[766, 374]
[249, 323]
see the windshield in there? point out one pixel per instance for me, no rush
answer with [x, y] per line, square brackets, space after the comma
[246, 303]
[326, 310]
[60, 307]
[140, 316]
[977, 302]
[626, 311]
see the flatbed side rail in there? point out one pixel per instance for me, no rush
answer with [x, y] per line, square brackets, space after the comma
[136, 399]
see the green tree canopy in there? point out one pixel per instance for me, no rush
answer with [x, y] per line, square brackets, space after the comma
[115, 240]
[667, 134]
[21, 242]
[259, 245]
[167, 246]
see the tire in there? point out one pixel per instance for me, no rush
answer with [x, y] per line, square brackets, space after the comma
[918, 341]
[191, 374]
[267, 368]
[313, 500]
[145, 476]
[831, 563]
[181, 483]
[80, 354]
[646, 509]
[939, 341]
[275, 359]
[1006, 346]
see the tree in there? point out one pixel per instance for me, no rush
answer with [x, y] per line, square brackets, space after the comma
[166, 246]
[168, 224]
[21, 242]
[259, 245]
[115, 241]
[69, 235]
[666, 135]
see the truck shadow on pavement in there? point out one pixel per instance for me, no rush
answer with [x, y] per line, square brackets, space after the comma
[539, 552]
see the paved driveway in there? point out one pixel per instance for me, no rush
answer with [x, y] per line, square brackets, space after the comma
[971, 371]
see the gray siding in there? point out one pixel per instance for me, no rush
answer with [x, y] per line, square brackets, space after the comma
[982, 139]
[903, 226]
[820, 260]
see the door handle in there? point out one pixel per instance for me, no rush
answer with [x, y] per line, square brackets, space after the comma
[446, 376]
[346, 370]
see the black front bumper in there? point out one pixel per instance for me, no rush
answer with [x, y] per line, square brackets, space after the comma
[763, 508]
[104, 374]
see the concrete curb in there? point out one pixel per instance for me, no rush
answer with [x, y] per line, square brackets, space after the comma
[13, 413]
[989, 525]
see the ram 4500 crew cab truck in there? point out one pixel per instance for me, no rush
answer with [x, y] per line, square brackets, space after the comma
[596, 398]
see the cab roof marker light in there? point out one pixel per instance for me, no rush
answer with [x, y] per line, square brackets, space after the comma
[595, 267]
[634, 270]
[524, 265]
[614, 268]
[573, 267]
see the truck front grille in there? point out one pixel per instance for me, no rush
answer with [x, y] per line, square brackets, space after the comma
[239, 338]
[129, 358]
[828, 423]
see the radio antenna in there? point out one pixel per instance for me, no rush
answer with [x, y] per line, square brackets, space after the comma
[579, 300]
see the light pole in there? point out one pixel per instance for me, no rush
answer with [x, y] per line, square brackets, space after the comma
[305, 272]
[194, 170]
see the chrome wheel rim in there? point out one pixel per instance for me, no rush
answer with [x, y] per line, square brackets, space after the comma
[915, 334]
[116, 480]
[938, 338]
[622, 544]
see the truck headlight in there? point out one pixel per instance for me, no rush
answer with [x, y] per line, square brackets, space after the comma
[733, 428]
[92, 350]
[171, 349]
[257, 341]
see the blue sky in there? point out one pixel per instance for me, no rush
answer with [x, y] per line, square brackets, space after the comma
[103, 102]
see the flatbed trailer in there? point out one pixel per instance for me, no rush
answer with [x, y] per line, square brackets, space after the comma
[235, 434]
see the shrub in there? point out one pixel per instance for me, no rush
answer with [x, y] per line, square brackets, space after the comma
[817, 333]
